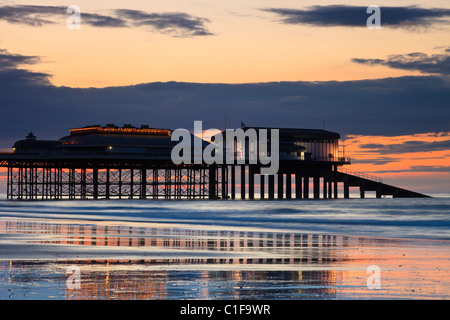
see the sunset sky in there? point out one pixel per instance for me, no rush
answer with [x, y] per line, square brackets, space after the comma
[266, 62]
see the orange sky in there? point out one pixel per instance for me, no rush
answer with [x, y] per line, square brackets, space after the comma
[248, 45]
[409, 167]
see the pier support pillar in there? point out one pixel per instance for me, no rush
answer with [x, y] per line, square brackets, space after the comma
[251, 183]
[316, 187]
[107, 192]
[224, 182]
[362, 192]
[155, 183]
[243, 182]
[305, 187]
[212, 182]
[298, 186]
[271, 186]
[329, 189]
[280, 186]
[288, 186]
[143, 194]
[8, 192]
[261, 185]
[379, 192]
[233, 182]
[335, 182]
[94, 181]
[132, 183]
[346, 190]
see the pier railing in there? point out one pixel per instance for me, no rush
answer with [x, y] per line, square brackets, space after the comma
[361, 175]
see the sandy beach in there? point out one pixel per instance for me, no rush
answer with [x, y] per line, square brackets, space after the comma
[141, 260]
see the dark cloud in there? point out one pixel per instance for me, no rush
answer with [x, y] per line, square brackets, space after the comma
[98, 20]
[8, 60]
[39, 16]
[408, 147]
[392, 106]
[378, 161]
[430, 168]
[417, 61]
[30, 15]
[444, 169]
[11, 74]
[176, 24]
[356, 16]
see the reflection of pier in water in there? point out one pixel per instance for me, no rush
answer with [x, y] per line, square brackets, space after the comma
[233, 259]
[157, 262]
[271, 247]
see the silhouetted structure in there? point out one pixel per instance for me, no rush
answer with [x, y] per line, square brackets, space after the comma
[108, 162]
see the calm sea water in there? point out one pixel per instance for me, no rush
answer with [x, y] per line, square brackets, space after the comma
[424, 218]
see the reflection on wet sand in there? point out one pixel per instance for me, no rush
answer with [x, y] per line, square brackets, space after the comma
[223, 264]
[272, 247]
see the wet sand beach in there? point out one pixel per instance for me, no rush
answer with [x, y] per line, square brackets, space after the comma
[145, 260]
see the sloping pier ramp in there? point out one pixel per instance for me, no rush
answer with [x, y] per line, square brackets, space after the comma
[367, 182]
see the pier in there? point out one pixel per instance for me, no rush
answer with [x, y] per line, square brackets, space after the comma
[126, 162]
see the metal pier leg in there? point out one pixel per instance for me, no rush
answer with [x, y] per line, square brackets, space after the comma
[83, 183]
[261, 185]
[95, 182]
[251, 183]
[131, 184]
[271, 186]
[346, 190]
[224, 182]
[143, 184]
[212, 182]
[8, 184]
[378, 192]
[298, 185]
[108, 184]
[329, 189]
[305, 187]
[280, 186]
[288, 186]
[362, 192]
[316, 181]
[233, 181]
[335, 182]
[243, 182]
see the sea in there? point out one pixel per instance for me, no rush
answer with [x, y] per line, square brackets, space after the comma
[422, 218]
[225, 249]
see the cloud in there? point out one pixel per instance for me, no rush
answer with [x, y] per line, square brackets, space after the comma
[378, 161]
[30, 15]
[8, 60]
[39, 16]
[416, 61]
[430, 168]
[10, 72]
[407, 147]
[386, 107]
[356, 16]
[174, 23]
[177, 24]
[445, 169]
